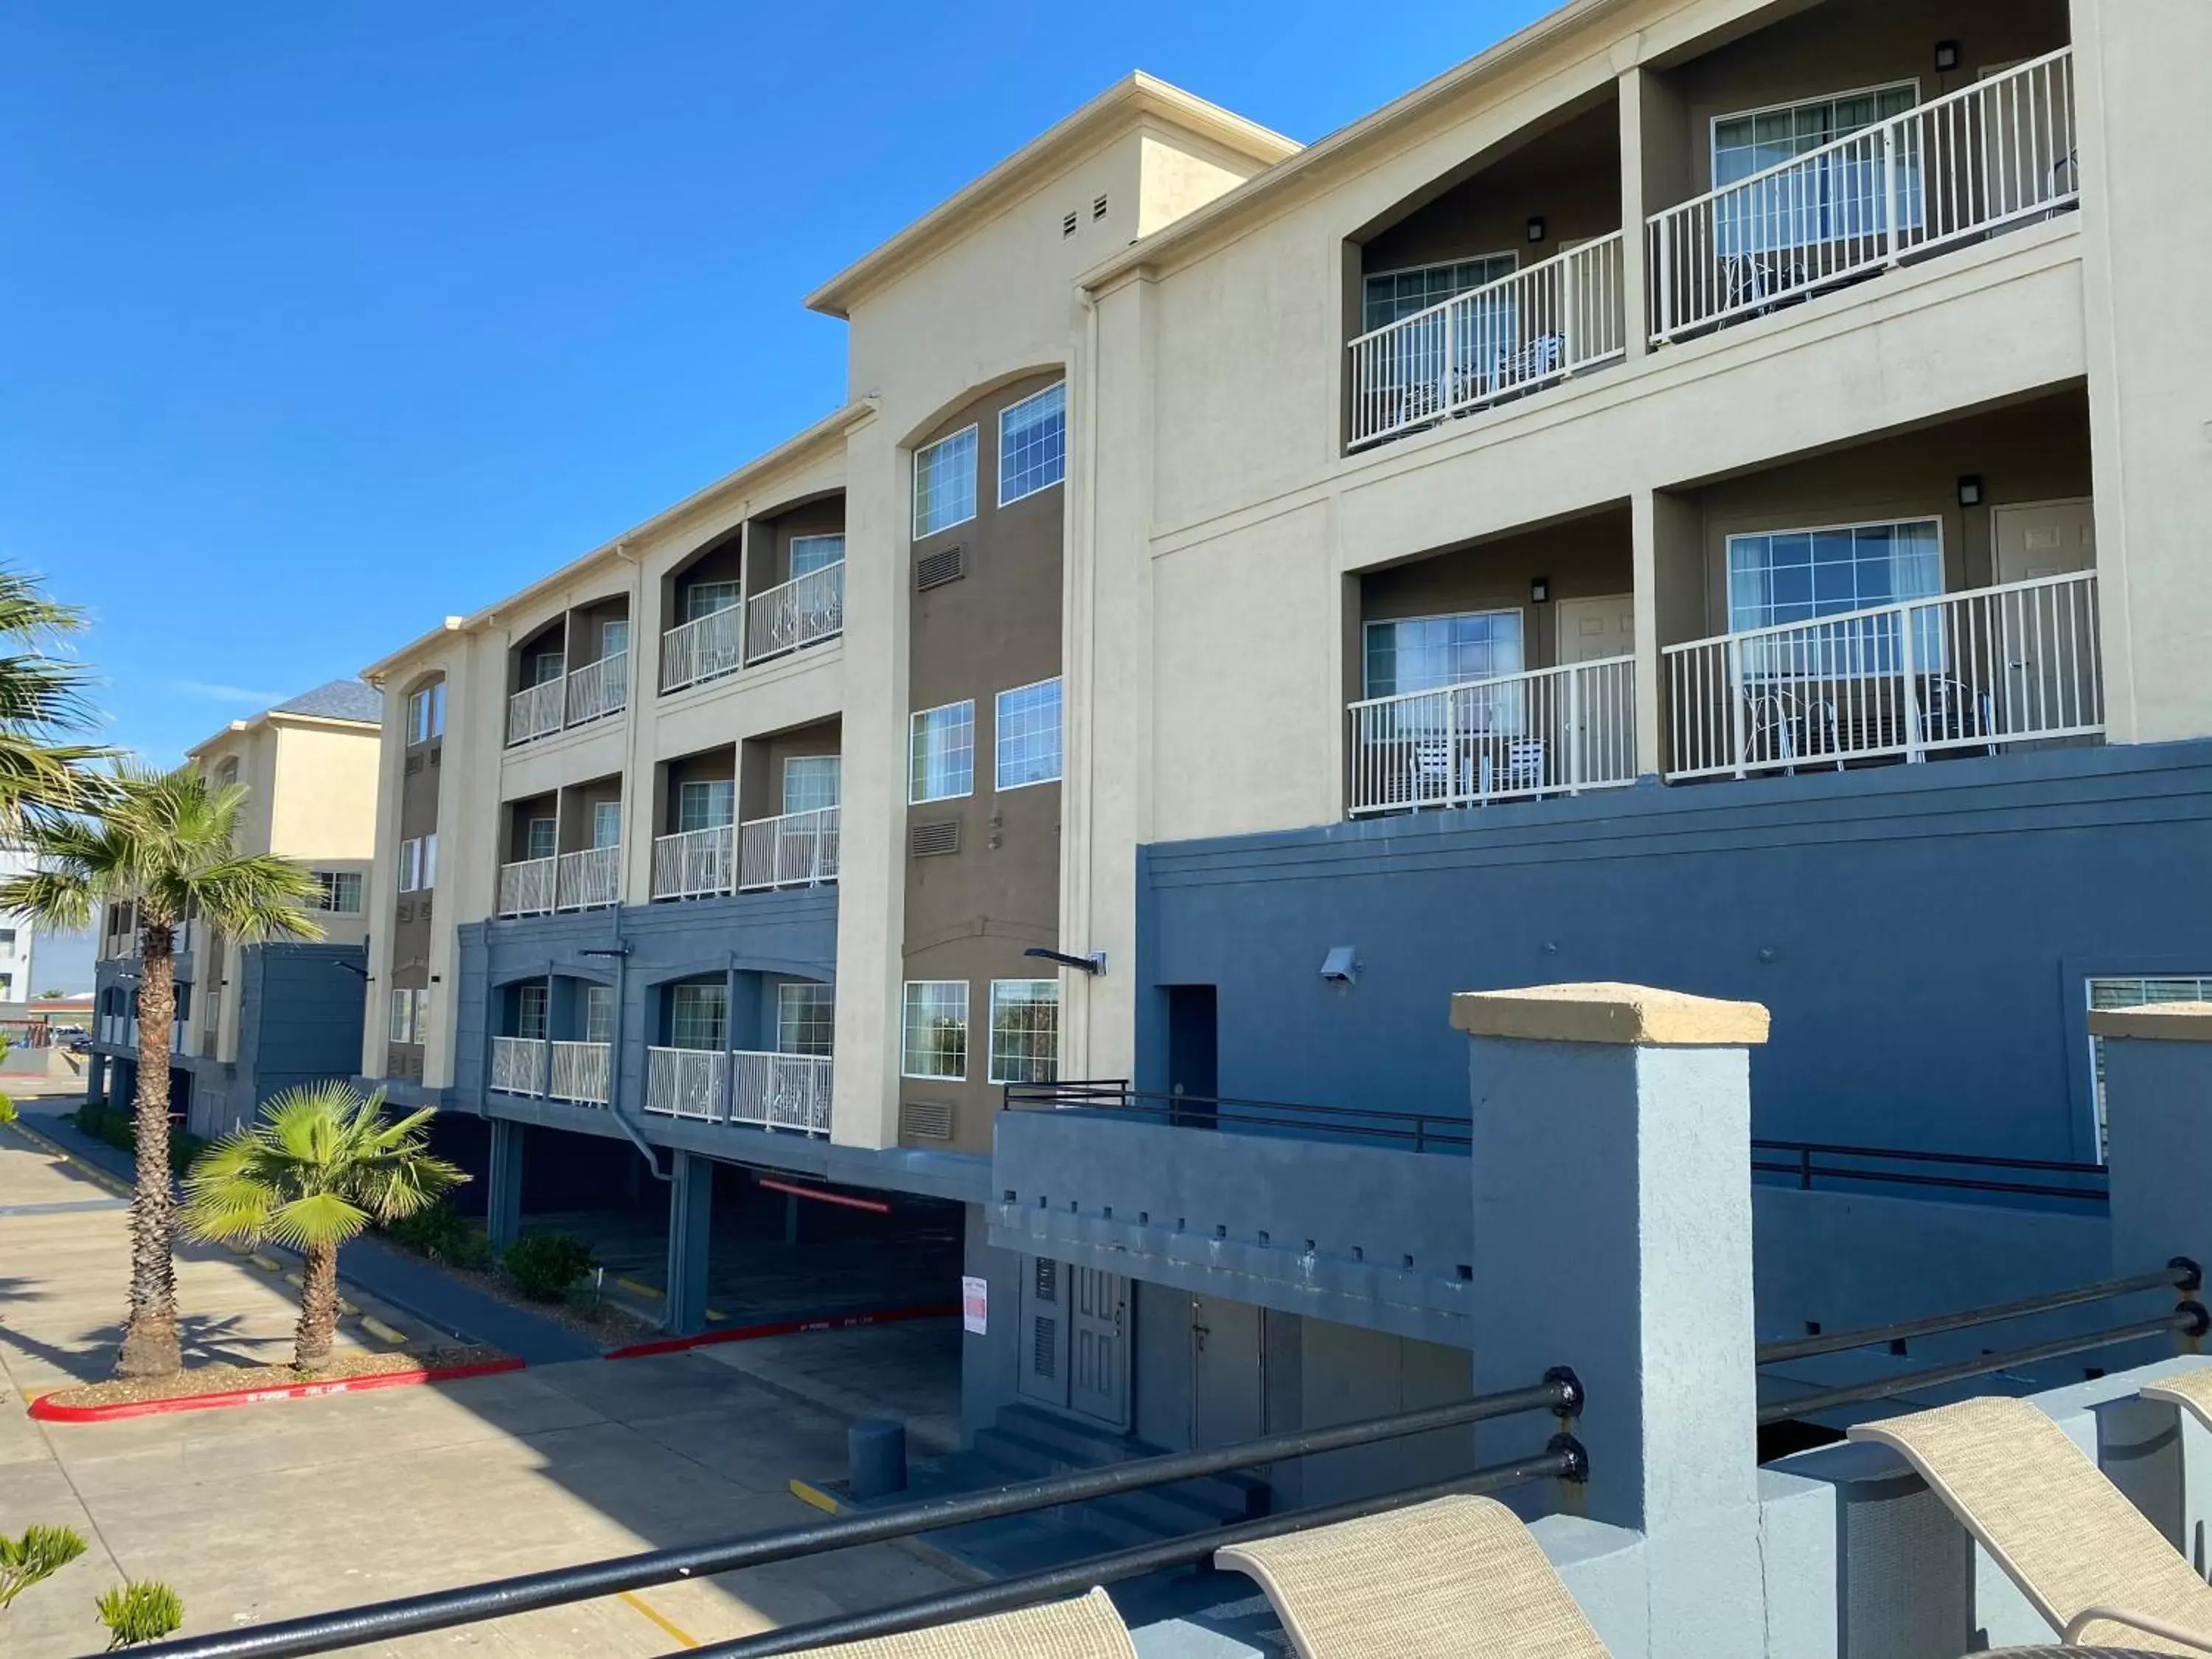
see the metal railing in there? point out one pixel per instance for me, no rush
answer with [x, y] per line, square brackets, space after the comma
[781, 1091]
[1420, 1131]
[535, 713]
[691, 1083]
[799, 612]
[588, 879]
[1563, 1459]
[599, 688]
[703, 649]
[2189, 1321]
[1997, 153]
[693, 863]
[798, 850]
[1537, 326]
[526, 888]
[518, 1065]
[1810, 1161]
[2017, 663]
[1553, 731]
[580, 1072]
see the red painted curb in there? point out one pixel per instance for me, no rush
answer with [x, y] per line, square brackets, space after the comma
[781, 1328]
[45, 1411]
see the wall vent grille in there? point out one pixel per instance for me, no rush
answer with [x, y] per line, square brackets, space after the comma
[926, 1120]
[939, 568]
[930, 840]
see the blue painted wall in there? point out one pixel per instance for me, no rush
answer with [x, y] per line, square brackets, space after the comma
[1921, 933]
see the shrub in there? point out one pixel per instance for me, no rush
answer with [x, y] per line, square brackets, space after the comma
[543, 1265]
[40, 1553]
[441, 1233]
[7, 1112]
[118, 1127]
[143, 1611]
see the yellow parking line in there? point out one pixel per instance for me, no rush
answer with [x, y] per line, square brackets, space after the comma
[660, 1618]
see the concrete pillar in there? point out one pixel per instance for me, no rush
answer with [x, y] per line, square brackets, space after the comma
[1612, 1174]
[690, 1221]
[503, 1186]
[2158, 1117]
[1667, 534]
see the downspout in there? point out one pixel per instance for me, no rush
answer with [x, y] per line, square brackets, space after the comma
[620, 951]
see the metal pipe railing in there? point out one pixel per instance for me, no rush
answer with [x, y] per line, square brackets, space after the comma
[1563, 1460]
[1802, 1154]
[2189, 1320]
[1422, 1132]
[2180, 1274]
[1559, 1392]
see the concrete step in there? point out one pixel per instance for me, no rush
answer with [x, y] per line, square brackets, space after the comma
[1040, 1443]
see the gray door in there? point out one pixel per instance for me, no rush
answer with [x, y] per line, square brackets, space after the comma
[1229, 1376]
[1043, 1331]
[1098, 1345]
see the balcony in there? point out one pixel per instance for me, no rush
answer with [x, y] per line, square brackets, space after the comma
[759, 1089]
[704, 648]
[580, 1072]
[535, 713]
[518, 1066]
[1531, 330]
[587, 880]
[526, 888]
[599, 688]
[1554, 731]
[1997, 154]
[1965, 672]
[798, 849]
[802, 611]
[693, 863]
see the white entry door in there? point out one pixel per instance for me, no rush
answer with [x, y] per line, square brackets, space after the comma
[1590, 629]
[2049, 635]
[2051, 538]
[1599, 725]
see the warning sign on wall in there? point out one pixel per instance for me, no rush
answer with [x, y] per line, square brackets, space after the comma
[976, 1306]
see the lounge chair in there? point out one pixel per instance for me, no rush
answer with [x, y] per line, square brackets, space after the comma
[2085, 1557]
[2192, 1390]
[1457, 1578]
[1085, 1628]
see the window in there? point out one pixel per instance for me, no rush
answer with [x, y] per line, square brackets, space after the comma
[945, 484]
[811, 553]
[614, 638]
[705, 598]
[1028, 722]
[1795, 576]
[426, 714]
[699, 1015]
[418, 864]
[811, 783]
[1024, 1030]
[530, 1003]
[1391, 295]
[2124, 993]
[1425, 654]
[806, 1019]
[338, 892]
[606, 823]
[7, 939]
[541, 838]
[1033, 443]
[709, 804]
[226, 774]
[409, 1018]
[942, 757]
[546, 667]
[598, 1013]
[1837, 197]
[934, 1031]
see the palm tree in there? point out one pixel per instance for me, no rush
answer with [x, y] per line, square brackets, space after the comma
[42, 707]
[165, 844]
[319, 1165]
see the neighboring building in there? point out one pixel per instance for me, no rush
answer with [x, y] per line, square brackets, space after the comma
[18, 935]
[1537, 533]
[255, 1019]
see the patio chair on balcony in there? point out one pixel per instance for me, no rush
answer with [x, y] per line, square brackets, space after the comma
[1086, 1628]
[1538, 360]
[1509, 765]
[1952, 711]
[1787, 722]
[1434, 776]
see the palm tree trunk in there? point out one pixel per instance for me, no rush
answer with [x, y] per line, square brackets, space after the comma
[150, 1335]
[319, 1309]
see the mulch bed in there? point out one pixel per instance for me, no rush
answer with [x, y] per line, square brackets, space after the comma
[229, 1379]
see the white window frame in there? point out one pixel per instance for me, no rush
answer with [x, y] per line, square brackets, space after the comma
[429, 861]
[810, 541]
[999, 738]
[1006, 415]
[908, 1007]
[1714, 124]
[836, 770]
[407, 1015]
[1366, 684]
[426, 713]
[972, 433]
[330, 884]
[597, 995]
[1511, 255]
[701, 988]
[538, 994]
[410, 865]
[1029, 987]
[790, 991]
[706, 786]
[530, 839]
[914, 767]
[1928, 636]
[692, 591]
[607, 632]
[602, 809]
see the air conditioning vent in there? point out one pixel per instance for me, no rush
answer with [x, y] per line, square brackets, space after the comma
[1044, 1347]
[423, 909]
[1098, 207]
[1067, 224]
[413, 764]
[437, 754]
[939, 568]
[926, 1120]
[404, 911]
[929, 840]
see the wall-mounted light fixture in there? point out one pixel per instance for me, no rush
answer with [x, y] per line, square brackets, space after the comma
[1539, 591]
[1093, 964]
[1340, 966]
[1970, 490]
[1947, 55]
[1536, 229]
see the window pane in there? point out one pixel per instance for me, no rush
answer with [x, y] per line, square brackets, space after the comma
[1803, 574]
[430, 860]
[806, 1019]
[1425, 654]
[1033, 443]
[614, 638]
[606, 823]
[1024, 1030]
[1391, 297]
[706, 806]
[699, 1017]
[935, 1028]
[942, 762]
[543, 837]
[812, 553]
[598, 1013]
[945, 484]
[811, 783]
[530, 1011]
[705, 598]
[1029, 735]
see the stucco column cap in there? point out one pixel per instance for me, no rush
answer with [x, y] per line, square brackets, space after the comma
[1604, 1012]
[2171, 1022]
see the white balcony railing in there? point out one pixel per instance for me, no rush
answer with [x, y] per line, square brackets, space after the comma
[588, 879]
[693, 863]
[798, 850]
[580, 1072]
[535, 713]
[518, 1066]
[1554, 731]
[802, 611]
[2013, 664]
[599, 688]
[703, 648]
[781, 1091]
[1522, 332]
[689, 1083]
[1991, 155]
[525, 888]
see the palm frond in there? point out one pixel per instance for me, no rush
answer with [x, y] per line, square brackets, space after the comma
[60, 900]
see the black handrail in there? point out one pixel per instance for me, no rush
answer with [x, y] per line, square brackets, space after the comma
[1559, 1392]
[1804, 1154]
[1563, 1460]
[1422, 1131]
[2181, 1274]
[2189, 1320]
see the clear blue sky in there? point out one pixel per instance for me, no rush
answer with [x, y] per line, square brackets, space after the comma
[325, 320]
